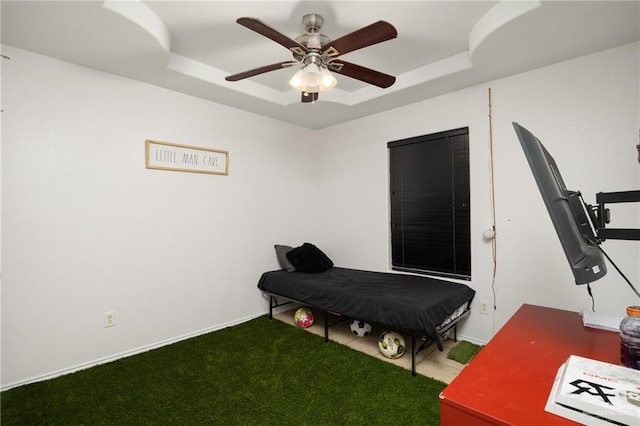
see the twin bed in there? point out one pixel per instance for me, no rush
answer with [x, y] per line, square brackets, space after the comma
[422, 307]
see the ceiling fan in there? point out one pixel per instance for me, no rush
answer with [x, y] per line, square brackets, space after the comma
[316, 55]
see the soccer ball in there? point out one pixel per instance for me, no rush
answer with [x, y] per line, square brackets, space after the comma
[391, 344]
[303, 317]
[360, 328]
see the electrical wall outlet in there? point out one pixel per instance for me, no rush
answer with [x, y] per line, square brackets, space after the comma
[110, 318]
[484, 307]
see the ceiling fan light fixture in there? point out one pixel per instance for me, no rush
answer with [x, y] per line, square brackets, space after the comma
[312, 79]
[304, 82]
[327, 80]
[297, 80]
[311, 75]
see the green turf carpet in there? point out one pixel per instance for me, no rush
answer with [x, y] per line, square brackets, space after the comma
[257, 373]
[463, 352]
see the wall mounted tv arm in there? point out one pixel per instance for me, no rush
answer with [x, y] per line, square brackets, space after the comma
[601, 215]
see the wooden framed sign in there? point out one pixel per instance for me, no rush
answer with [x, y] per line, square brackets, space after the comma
[185, 158]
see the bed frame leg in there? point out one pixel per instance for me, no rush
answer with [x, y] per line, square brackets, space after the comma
[271, 300]
[326, 326]
[413, 355]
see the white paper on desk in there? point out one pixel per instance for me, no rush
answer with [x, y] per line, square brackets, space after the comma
[593, 392]
[567, 413]
[604, 322]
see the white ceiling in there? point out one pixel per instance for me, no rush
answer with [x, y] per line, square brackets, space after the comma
[442, 46]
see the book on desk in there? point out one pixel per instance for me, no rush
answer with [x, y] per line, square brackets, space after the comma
[596, 393]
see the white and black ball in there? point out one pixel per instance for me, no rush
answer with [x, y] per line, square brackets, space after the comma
[360, 328]
[391, 344]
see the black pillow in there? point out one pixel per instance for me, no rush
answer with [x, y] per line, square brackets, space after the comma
[309, 258]
[281, 255]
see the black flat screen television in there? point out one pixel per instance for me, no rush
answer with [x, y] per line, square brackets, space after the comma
[568, 212]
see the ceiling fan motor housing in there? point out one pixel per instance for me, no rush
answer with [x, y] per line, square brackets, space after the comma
[312, 22]
[312, 40]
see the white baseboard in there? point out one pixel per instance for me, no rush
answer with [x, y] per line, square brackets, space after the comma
[126, 354]
[156, 345]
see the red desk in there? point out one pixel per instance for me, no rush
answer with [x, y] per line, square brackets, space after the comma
[509, 381]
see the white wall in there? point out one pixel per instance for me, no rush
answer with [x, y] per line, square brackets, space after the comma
[88, 229]
[585, 111]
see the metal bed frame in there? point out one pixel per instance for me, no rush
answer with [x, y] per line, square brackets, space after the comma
[415, 350]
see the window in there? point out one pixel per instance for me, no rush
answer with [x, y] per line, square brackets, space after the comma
[429, 189]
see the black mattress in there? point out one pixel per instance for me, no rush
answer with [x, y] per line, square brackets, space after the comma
[407, 303]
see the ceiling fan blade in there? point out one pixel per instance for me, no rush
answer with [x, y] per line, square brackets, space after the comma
[375, 33]
[363, 74]
[261, 70]
[261, 28]
[309, 97]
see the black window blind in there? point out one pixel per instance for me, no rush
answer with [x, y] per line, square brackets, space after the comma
[430, 222]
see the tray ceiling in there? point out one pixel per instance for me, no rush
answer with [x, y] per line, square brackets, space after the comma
[442, 46]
